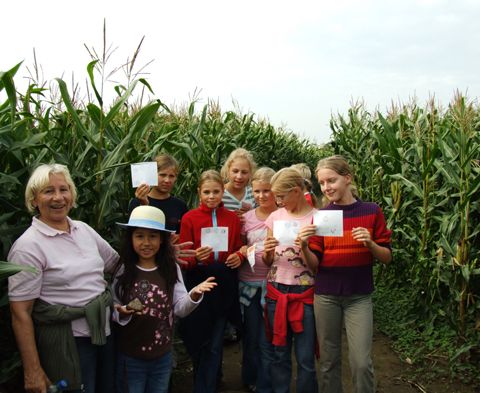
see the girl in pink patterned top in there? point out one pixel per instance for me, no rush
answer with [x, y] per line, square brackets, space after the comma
[290, 285]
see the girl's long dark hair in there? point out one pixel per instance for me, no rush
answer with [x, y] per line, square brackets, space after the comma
[165, 261]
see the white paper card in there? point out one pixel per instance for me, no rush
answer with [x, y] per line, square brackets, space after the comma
[251, 256]
[329, 223]
[215, 237]
[286, 232]
[144, 172]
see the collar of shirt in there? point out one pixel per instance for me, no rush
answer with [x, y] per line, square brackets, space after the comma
[47, 230]
[207, 209]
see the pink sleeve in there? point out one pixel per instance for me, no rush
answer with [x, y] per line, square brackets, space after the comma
[108, 254]
[25, 285]
[243, 232]
[247, 222]
[269, 222]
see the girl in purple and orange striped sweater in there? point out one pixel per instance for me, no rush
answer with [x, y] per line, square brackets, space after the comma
[344, 278]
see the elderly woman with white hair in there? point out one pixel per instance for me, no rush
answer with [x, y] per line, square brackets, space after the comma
[60, 314]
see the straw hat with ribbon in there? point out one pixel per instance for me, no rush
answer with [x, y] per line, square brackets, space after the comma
[146, 217]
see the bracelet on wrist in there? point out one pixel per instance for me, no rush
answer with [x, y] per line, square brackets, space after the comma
[241, 256]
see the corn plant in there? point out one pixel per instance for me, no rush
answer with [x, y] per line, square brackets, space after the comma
[422, 166]
[97, 143]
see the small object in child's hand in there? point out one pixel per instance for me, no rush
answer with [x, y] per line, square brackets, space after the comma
[135, 305]
[246, 206]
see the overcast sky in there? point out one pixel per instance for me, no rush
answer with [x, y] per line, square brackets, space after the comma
[293, 62]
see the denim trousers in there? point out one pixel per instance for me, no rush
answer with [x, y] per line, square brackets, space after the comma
[208, 359]
[96, 365]
[304, 346]
[143, 376]
[357, 314]
[257, 350]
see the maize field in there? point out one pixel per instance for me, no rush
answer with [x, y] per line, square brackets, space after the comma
[98, 145]
[422, 165]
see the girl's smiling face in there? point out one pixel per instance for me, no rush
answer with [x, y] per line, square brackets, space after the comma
[334, 186]
[211, 193]
[262, 192]
[239, 173]
[146, 243]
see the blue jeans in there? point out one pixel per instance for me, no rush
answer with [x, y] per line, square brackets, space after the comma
[96, 365]
[207, 361]
[143, 376]
[257, 351]
[304, 345]
[357, 313]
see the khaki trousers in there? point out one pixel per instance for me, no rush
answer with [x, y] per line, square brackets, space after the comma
[357, 314]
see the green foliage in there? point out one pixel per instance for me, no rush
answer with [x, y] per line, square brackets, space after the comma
[8, 269]
[422, 166]
[431, 345]
[97, 144]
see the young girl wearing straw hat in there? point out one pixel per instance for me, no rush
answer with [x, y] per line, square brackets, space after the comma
[148, 291]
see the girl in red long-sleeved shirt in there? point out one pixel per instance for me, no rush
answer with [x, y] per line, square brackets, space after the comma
[202, 330]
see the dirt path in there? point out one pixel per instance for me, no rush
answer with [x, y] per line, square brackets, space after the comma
[392, 375]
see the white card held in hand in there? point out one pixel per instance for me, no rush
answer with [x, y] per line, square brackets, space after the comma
[286, 232]
[215, 237]
[329, 223]
[144, 173]
[251, 256]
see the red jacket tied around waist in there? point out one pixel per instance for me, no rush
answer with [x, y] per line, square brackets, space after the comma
[289, 310]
